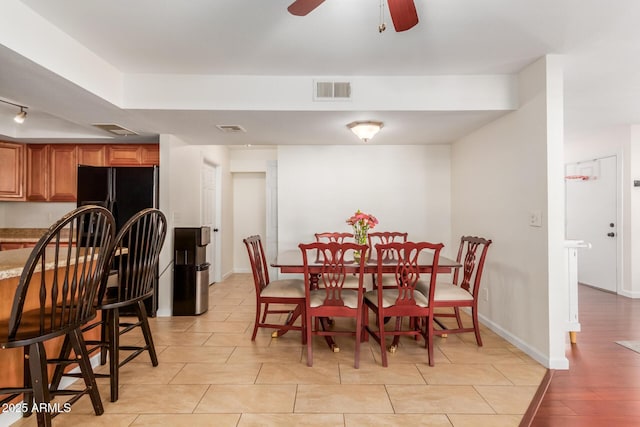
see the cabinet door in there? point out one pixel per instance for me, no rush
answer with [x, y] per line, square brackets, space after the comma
[124, 155]
[91, 155]
[37, 172]
[63, 172]
[150, 155]
[12, 171]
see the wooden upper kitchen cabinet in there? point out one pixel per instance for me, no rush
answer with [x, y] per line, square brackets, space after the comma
[51, 172]
[92, 154]
[133, 155]
[11, 171]
[37, 172]
[63, 172]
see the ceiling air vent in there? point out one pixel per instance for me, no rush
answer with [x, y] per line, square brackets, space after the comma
[231, 128]
[331, 91]
[114, 129]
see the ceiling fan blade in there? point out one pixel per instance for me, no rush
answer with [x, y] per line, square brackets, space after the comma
[403, 14]
[303, 7]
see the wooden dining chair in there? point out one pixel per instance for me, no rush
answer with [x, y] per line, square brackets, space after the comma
[464, 289]
[331, 298]
[54, 298]
[133, 260]
[283, 291]
[384, 237]
[401, 299]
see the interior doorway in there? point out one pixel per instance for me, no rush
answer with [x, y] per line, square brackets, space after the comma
[592, 215]
[249, 215]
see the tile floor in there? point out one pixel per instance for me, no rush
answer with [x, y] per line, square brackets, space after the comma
[212, 374]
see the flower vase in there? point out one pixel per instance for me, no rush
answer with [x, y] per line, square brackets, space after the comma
[360, 237]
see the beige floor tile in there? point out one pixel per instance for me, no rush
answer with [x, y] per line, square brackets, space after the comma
[168, 399]
[508, 400]
[409, 351]
[170, 324]
[291, 420]
[461, 420]
[227, 327]
[187, 420]
[71, 420]
[248, 399]
[144, 373]
[474, 354]
[299, 373]
[235, 340]
[282, 355]
[342, 399]
[527, 374]
[396, 420]
[195, 354]
[433, 399]
[180, 338]
[217, 373]
[373, 373]
[213, 315]
[461, 374]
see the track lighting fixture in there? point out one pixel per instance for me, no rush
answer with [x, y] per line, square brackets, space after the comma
[19, 118]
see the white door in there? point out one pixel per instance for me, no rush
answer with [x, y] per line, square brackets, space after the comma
[208, 217]
[591, 197]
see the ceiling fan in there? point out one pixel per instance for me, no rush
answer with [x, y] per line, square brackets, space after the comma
[403, 12]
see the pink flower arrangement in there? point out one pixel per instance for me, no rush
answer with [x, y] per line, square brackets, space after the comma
[361, 223]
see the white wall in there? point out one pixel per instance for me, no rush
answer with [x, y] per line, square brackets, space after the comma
[249, 214]
[500, 173]
[406, 187]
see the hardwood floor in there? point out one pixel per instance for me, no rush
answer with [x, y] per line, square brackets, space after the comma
[602, 386]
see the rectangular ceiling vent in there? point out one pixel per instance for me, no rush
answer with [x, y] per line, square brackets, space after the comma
[115, 129]
[231, 128]
[331, 91]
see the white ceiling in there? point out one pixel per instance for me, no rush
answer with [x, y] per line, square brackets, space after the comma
[598, 38]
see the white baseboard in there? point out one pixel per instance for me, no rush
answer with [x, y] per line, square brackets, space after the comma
[534, 353]
[8, 418]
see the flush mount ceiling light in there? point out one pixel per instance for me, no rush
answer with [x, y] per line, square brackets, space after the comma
[365, 130]
[19, 118]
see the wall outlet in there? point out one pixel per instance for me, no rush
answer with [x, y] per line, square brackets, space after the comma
[535, 218]
[485, 294]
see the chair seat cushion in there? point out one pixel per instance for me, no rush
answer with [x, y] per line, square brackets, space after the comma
[389, 297]
[287, 288]
[349, 297]
[445, 291]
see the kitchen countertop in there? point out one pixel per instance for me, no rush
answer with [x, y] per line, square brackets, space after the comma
[12, 262]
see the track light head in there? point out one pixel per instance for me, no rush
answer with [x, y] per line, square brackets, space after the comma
[19, 118]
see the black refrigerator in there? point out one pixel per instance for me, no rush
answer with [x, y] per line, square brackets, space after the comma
[124, 191]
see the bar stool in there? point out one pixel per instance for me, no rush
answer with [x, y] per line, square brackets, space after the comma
[54, 298]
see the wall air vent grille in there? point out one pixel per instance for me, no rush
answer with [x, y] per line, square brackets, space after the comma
[331, 91]
[231, 128]
[114, 129]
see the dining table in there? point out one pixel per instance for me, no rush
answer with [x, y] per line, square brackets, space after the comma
[290, 261]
